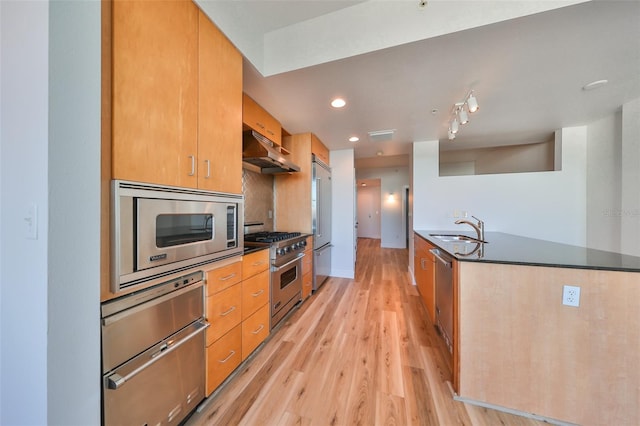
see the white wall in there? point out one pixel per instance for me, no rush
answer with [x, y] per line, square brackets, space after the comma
[604, 183]
[393, 180]
[630, 206]
[343, 213]
[49, 149]
[73, 361]
[545, 205]
[24, 145]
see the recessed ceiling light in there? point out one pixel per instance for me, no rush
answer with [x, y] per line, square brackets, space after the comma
[354, 139]
[338, 103]
[364, 184]
[594, 84]
[379, 153]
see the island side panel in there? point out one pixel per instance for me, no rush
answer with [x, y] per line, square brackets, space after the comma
[520, 348]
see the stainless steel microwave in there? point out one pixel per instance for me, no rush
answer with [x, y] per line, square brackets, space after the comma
[159, 231]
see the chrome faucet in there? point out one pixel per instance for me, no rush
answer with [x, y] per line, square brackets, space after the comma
[479, 227]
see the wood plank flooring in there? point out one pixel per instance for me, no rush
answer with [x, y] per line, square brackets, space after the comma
[358, 352]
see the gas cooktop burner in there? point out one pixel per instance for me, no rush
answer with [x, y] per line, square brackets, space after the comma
[270, 237]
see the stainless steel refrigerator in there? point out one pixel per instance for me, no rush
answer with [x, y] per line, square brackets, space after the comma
[321, 221]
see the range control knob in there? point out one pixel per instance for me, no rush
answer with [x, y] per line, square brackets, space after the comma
[282, 251]
[303, 243]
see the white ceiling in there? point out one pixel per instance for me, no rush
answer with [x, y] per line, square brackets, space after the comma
[395, 63]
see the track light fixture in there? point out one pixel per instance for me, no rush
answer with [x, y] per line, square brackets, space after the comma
[460, 114]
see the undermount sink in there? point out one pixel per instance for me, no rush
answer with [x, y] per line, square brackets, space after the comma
[454, 238]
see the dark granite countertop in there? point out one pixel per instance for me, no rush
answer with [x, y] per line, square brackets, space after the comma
[251, 249]
[517, 250]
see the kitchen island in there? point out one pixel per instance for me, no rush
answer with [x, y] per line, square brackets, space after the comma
[517, 347]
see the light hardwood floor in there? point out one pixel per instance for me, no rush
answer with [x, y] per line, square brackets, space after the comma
[358, 351]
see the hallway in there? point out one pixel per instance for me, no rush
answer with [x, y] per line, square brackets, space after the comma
[359, 351]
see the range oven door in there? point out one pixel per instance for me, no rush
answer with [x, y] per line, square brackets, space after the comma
[286, 288]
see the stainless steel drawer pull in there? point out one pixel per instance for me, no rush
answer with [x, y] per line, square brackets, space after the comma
[222, 361]
[193, 165]
[260, 262]
[257, 293]
[224, 314]
[208, 162]
[116, 381]
[258, 330]
[228, 277]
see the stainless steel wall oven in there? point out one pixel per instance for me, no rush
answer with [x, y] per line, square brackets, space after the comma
[159, 231]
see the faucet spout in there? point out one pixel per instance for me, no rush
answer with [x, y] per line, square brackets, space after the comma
[479, 227]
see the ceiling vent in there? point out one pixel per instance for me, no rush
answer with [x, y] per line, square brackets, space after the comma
[381, 135]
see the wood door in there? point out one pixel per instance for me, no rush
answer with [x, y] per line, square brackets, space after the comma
[219, 111]
[155, 92]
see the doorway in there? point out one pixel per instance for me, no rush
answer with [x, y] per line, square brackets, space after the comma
[369, 208]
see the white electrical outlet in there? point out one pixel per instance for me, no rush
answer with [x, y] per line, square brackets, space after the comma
[571, 295]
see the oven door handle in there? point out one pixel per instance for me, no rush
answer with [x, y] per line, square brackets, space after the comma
[116, 381]
[277, 268]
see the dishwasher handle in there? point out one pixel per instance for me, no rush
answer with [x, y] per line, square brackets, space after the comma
[441, 258]
[116, 381]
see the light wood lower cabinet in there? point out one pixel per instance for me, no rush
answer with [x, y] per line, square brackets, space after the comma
[424, 273]
[238, 314]
[223, 356]
[254, 330]
[307, 269]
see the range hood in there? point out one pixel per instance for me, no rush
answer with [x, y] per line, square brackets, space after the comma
[259, 155]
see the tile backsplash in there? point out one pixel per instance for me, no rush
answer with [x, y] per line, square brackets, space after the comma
[258, 200]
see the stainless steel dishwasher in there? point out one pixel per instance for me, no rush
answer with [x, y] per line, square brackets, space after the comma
[444, 295]
[153, 353]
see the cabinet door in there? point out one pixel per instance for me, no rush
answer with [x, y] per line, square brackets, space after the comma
[219, 111]
[319, 149]
[155, 92]
[257, 118]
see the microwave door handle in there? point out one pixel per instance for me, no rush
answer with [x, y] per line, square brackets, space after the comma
[116, 381]
[277, 268]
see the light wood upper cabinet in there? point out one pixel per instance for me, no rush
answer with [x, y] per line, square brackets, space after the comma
[176, 98]
[155, 91]
[258, 119]
[319, 150]
[219, 111]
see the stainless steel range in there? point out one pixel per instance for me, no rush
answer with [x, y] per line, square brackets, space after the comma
[286, 250]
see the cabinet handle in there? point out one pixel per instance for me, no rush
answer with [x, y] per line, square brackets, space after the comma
[224, 314]
[222, 361]
[260, 125]
[208, 163]
[270, 132]
[258, 293]
[422, 259]
[260, 262]
[258, 330]
[228, 277]
[193, 165]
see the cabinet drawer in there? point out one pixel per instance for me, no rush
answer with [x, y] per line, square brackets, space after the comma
[255, 262]
[254, 330]
[224, 311]
[224, 277]
[255, 293]
[223, 357]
